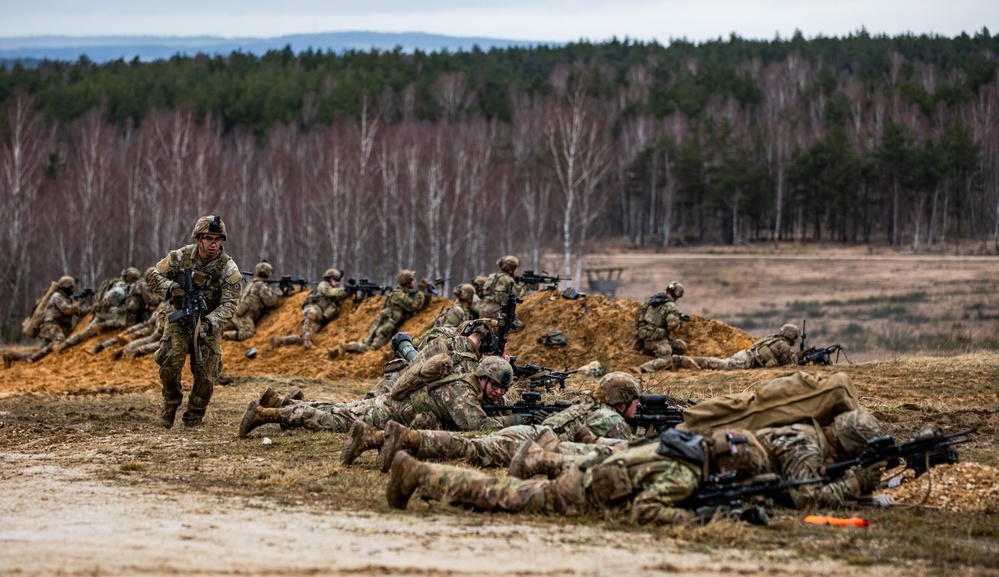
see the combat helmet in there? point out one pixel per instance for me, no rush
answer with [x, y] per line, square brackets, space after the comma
[66, 282]
[617, 388]
[210, 224]
[509, 263]
[130, 274]
[263, 270]
[405, 277]
[464, 292]
[479, 283]
[738, 450]
[497, 370]
[675, 288]
[790, 332]
[854, 428]
[333, 273]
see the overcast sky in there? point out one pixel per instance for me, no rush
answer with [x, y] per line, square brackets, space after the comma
[538, 20]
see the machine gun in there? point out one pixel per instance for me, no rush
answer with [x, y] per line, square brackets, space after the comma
[551, 379]
[506, 321]
[526, 370]
[927, 449]
[194, 307]
[820, 356]
[285, 283]
[723, 491]
[529, 405]
[539, 279]
[364, 288]
[654, 415]
[438, 282]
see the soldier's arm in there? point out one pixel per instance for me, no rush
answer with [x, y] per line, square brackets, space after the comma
[672, 316]
[608, 424]
[269, 295]
[656, 503]
[800, 457]
[467, 414]
[231, 286]
[411, 303]
[65, 305]
[783, 354]
[158, 281]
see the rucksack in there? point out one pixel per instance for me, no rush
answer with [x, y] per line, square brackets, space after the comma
[795, 398]
[30, 325]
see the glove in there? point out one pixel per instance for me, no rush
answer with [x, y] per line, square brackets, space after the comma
[177, 296]
[206, 326]
[521, 419]
[869, 477]
[755, 515]
[423, 284]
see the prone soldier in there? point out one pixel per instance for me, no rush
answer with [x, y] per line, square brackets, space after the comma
[771, 351]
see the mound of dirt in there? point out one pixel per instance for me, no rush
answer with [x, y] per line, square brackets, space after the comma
[597, 329]
[957, 487]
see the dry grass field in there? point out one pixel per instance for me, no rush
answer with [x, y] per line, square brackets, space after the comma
[89, 486]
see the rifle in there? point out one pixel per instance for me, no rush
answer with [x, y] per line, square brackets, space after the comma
[530, 405]
[507, 319]
[684, 319]
[722, 490]
[655, 415]
[285, 283]
[930, 447]
[804, 337]
[551, 378]
[85, 294]
[194, 307]
[525, 370]
[362, 289]
[432, 287]
[817, 356]
[538, 279]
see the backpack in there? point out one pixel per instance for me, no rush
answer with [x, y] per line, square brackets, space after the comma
[782, 401]
[29, 326]
[553, 339]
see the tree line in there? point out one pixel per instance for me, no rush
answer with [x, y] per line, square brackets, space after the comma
[443, 162]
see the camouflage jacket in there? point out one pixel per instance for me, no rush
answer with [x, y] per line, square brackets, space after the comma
[498, 286]
[400, 304]
[656, 322]
[454, 316]
[60, 310]
[647, 483]
[141, 300]
[455, 403]
[112, 306]
[799, 452]
[221, 281]
[257, 296]
[602, 420]
[772, 351]
[327, 298]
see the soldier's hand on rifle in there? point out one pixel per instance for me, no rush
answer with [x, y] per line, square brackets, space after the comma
[706, 513]
[538, 416]
[177, 296]
[424, 283]
[755, 515]
[869, 477]
[206, 329]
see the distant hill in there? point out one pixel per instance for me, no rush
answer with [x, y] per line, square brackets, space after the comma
[146, 48]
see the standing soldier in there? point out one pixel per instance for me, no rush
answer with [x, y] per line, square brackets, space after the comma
[258, 296]
[461, 310]
[54, 320]
[768, 352]
[658, 317]
[214, 273]
[498, 285]
[399, 306]
[320, 307]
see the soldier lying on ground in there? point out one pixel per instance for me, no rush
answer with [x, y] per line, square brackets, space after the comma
[648, 480]
[140, 306]
[768, 352]
[453, 402]
[601, 416]
[257, 298]
[110, 311]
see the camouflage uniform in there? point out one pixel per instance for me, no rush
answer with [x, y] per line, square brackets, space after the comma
[454, 316]
[462, 352]
[138, 305]
[110, 312]
[768, 352]
[637, 480]
[321, 306]
[801, 452]
[655, 323]
[56, 322]
[399, 306]
[150, 343]
[498, 285]
[221, 282]
[257, 297]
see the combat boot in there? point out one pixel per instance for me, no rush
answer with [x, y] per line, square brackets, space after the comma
[168, 414]
[398, 438]
[6, 360]
[307, 341]
[271, 399]
[549, 441]
[102, 345]
[334, 353]
[406, 476]
[255, 416]
[362, 437]
[231, 335]
[356, 347]
[531, 460]
[275, 342]
[296, 394]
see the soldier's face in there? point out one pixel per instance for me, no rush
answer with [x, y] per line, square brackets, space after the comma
[209, 246]
[493, 391]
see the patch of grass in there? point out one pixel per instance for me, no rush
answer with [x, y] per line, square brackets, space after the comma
[133, 468]
[905, 298]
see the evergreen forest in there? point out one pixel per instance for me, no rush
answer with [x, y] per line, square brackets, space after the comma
[442, 162]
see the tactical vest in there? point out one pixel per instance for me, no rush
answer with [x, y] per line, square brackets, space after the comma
[565, 422]
[209, 279]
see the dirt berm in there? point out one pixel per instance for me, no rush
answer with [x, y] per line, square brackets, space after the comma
[597, 329]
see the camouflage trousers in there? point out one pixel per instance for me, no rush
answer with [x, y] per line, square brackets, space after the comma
[497, 449]
[380, 334]
[173, 352]
[51, 334]
[664, 347]
[244, 326]
[459, 486]
[338, 417]
[144, 346]
[740, 360]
